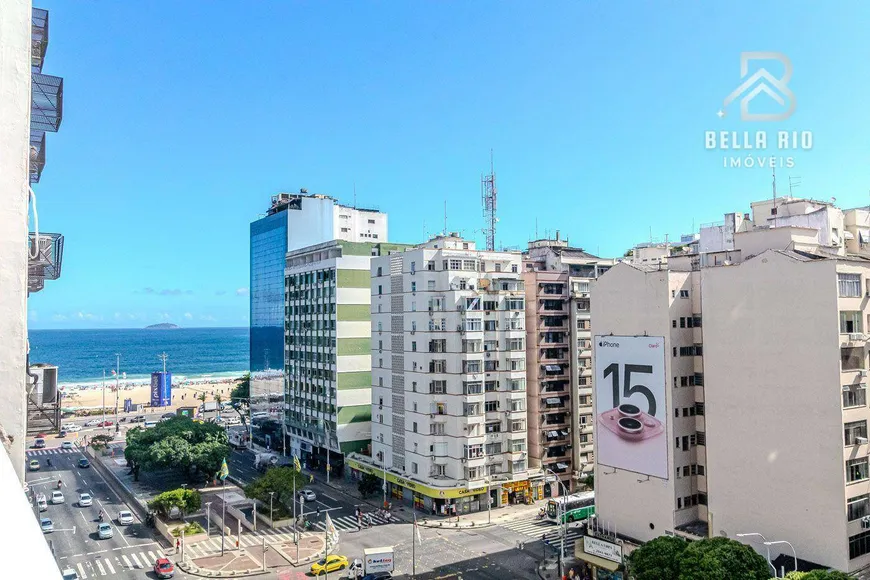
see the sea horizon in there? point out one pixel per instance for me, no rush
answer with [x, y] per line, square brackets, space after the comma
[82, 355]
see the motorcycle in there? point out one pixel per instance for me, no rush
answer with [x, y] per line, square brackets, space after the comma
[541, 514]
[59, 483]
[100, 517]
[307, 525]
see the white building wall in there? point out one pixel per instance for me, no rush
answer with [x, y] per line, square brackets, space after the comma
[627, 301]
[775, 448]
[14, 154]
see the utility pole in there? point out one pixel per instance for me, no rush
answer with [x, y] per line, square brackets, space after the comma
[117, 389]
[208, 519]
[104, 398]
[328, 466]
[163, 356]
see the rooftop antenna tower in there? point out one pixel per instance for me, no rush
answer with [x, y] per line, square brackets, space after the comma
[163, 356]
[489, 197]
[774, 195]
[792, 183]
[445, 217]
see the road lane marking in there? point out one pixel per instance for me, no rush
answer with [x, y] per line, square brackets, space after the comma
[100, 566]
[136, 560]
[92, 553]
[81, 571]
[329, 498]
[126, 560]
[111, 568]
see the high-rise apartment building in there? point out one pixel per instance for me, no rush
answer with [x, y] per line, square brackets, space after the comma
[328, 350]
[449, 424]
[765, 361]
[294, 221]
[559, 363]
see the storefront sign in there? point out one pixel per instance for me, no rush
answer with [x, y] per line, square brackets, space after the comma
[602, 549]
[417, 487]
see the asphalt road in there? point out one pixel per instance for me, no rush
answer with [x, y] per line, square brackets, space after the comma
[128, 555]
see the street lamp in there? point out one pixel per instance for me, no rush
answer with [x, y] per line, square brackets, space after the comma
[562, 520]
[208, 519]
[768, 544]
[271, 496]
[763, 539]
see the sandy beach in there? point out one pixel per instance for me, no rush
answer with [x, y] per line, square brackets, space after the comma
[91, 395]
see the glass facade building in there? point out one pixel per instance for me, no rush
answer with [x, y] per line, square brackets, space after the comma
[268, 251]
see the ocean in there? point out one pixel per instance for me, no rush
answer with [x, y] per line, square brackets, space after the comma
[82, 355]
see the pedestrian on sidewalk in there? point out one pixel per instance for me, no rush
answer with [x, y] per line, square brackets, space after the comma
[318, 512]
[177, 546]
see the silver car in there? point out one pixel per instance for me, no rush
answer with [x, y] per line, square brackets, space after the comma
[57, 497]
[125, 518]
[46, 525]
[105, 531]
[85, 500]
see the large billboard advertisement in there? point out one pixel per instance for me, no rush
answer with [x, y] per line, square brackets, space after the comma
[630, 405]
[161, 389]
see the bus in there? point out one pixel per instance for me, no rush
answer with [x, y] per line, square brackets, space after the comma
[578, 506]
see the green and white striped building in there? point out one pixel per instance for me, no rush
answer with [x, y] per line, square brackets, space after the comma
[327, 346]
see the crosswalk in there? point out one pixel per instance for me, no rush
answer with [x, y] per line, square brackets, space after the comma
[272, 536]
[50, 451]
[542, 529]
[116, 564]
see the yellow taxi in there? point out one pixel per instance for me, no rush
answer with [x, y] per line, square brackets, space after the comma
[34, 465]
[331, 563]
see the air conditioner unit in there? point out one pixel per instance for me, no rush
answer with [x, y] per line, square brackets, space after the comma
[861, 440]
[856, 337]
[862, 373]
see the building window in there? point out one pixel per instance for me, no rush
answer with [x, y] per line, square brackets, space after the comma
[849, 285]
[853, 358]
[413, 467]
[436, 429]
[414, 427]
[856, 469]
[854, 396]
[380, 290]
[850, 322]
[684, 293]
[854, 431]
[438, 387]
[413, 286]
[857, 507]
[439, 470]
[455, 264]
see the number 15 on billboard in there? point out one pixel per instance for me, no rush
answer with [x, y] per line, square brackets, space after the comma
[630, 404]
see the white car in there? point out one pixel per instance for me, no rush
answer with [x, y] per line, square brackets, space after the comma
[125, 518]
[308, 495]
[69, 574]
[57, 497]
[66, 445]
[72, 428]
[104, 531]
[91, 423]
[85, 500]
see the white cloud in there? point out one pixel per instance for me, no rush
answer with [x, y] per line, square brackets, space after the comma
[81, 315]
[188, 315]
[207, 318]
[59, 317]
[242, 292]
[165, 316]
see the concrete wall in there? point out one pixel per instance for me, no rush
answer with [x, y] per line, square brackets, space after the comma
[773, 404]
[627, 301]
[14, 155]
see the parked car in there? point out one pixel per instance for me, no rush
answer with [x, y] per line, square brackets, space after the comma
[308, 495]
[92, 423]
[46, 525]
[137, 419]
[39, 443]
[104, 531]
[105, 423]
[72, 428]
[125, 518]
[163, 568]
[69, 574]
[57, 497]
[85, 500]
[41, 504]
[66, 445]
[84, 463]
[62, 433]
[34, 465]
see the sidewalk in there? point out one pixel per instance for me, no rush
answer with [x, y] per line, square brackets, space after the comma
[548, 569]
[250, 561]
[479, 519]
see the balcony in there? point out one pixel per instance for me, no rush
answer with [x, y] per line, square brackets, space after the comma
[553, 404]
[554, 436]
[46, 264]
[554, 323]
[46, 102]
[555, 290]
[38, 38]
[553, 355]
[555, 388]
[37, 155]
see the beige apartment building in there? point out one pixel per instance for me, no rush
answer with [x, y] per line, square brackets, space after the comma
[559, 359]
[765, 333]
[448, 378]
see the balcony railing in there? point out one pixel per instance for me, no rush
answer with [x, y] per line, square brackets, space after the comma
[46, 102]
[37, 155]
[47, 263]
[38, 38]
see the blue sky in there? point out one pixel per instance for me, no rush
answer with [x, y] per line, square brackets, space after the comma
[181, 119]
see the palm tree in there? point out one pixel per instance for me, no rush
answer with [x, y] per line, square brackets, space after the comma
[202, 397]
[217, 400]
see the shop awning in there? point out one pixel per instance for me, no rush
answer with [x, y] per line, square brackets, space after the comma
[554, 401]
[553, 368]
[597, 561]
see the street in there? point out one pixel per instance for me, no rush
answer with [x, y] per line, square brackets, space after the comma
[129, 554]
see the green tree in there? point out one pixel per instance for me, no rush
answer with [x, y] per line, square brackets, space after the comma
[369, 484]
[186, 500]
[818, 575]
[721, 559]
[195, 449]
[657, 559]
[240, 397]
[278, 480]
[100, 441]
